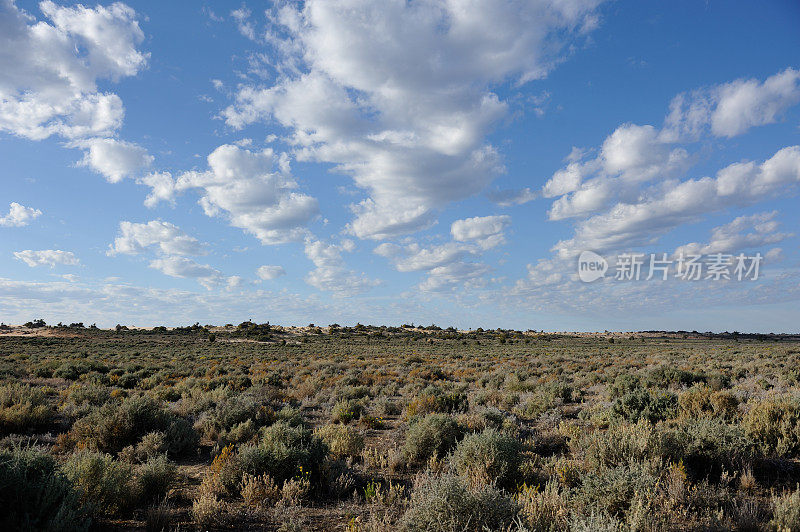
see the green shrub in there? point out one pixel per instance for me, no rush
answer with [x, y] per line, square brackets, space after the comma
[620, 444]
[707, 446]
[105, 485]
[433, 435]
[786, 511]
[155, 477]
[346, 410]
[115, 426]
[449, 504]
[342, 440]
[487, 457]
[35, 494]
[775, 425]
[642, 404]
[613, 490]
[23, 408]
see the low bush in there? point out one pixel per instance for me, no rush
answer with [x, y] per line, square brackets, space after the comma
[23, 408]
[449, 504]
[105, 485]
[155, 477]
[433, 435]
[342, 440]
[642, 404]
[775, 425]
[487, 457]
[786, 511]
[36, 495]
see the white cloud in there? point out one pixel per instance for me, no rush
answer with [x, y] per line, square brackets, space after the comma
[253, 190]
[115, 159]
[169, 239]
[162, 188]
[731, 109]
[331, 273]
[676, 203]
[733, 238]
[49, 70]
[631, 155]
[270, 272]
[398, 95]
[486, 231]
[47, 257]
[509, 198]
[19, 215]
[183, 267]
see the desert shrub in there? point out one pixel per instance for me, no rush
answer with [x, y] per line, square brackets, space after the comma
[543, 509]
[487, 457]
[621, 443]
[775, 425]
[707, 446]
[259, 490]
[35, 494]
[624, 384]
[112, 427]
[105, 485]
[208, 511]
[786, 511]
[449, 504]
[155, 477]
[23, 408]
[642, 404]
[346, 410]
[241, 433]
[612, 490]
[342, 440]
[725, 404]
[701, 400]
[295, 490]
[433, 435]
[664, 376]
[152, 444]
[435, 400]
[181, 438]
[282, 452]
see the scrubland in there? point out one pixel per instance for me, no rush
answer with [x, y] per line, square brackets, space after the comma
[378, 428]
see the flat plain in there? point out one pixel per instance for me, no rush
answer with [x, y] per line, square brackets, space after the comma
[382, 428]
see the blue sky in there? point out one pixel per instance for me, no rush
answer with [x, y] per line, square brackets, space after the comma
[393, 162]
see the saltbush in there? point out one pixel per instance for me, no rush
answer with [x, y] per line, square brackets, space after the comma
[433, 435]
[449, 504]
[487, 457]
[36, 495]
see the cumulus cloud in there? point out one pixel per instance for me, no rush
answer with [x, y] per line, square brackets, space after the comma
[47, 257]
[168, 239]
[19, 215]
[511, 197]
[731, 109]
[49, 69]
[486, 231]
[679, 202]
[631, 155]
[453, 263]
[734, 237]
[254, 190]
[183, 267]
[331, 273]
[114, 159]
[399, 95]
[270, 272]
